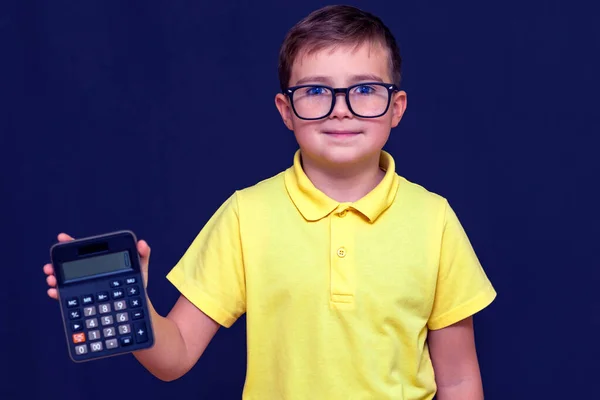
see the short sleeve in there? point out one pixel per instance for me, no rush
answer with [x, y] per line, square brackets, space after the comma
[211, 272]
[463, 287]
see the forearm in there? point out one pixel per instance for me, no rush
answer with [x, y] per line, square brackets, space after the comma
[465, 389]
[455, 363]
[168, 358]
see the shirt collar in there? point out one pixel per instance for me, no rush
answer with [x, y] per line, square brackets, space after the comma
[315, 205]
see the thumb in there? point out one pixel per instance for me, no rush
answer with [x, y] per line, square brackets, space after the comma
[144, 252]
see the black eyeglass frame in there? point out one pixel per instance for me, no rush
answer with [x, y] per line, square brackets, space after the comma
[391, 88]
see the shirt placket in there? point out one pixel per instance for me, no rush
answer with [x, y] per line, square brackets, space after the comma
[342, 257]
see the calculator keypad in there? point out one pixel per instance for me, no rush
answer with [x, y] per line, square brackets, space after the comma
[132, 290]
[102, 296]
[91, 323]
[104, 308]
[79, 337]
[109, 332]
[122, 317]
[76, 326]
[124, 329]
[72, 302]
[116, 283]
[81, 349]
[108, 319]
[135, 302]
[89, 311]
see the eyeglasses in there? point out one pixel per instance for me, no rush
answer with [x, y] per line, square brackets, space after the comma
[365, 100]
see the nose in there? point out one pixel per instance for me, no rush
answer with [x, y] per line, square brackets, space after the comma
[340, 108]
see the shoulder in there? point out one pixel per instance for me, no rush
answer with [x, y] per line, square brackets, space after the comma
[417, 196]
[420, 205]
[263, 193]
[267, 186]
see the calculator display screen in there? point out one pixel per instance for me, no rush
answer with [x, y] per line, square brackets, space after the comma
[96, 265]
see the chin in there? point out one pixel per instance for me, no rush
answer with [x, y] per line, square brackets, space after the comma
[341, 156]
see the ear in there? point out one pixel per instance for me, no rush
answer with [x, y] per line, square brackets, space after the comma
[285, 109]
[398, 107]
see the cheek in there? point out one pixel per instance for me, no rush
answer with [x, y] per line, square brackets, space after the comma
[380, 127]
[306, 137]
[305, 131]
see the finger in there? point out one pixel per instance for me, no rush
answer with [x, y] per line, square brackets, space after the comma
[51, 280]
[48, 269]
[63, 237]
[143, 250]
[53, 293]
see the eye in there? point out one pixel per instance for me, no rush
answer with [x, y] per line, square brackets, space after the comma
[316, 91]
[364, 89]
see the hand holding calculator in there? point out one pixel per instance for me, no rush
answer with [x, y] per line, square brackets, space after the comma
[102, 296]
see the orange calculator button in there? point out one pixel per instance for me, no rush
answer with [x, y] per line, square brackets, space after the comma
[79, 337]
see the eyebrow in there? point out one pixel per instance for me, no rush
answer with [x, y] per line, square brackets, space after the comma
[325, 79]
[366, 77]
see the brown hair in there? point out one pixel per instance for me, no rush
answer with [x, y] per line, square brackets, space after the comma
[332, 26]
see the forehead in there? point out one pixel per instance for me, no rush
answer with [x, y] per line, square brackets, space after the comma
[341, 63]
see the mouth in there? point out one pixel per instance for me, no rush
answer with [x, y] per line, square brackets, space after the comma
[342, 134]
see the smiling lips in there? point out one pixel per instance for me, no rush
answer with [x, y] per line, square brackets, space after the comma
[341, 134]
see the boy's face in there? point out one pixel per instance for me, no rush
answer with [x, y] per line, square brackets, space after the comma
[342, 139]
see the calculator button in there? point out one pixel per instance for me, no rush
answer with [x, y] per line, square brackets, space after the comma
[135, 302]
[102, 296]
[91, 323]
[124, 329]
[116, 283]
[74, 314]
[118, 293]
[130, 281]
[96, 346]
[104, 308]
[133, 291]
[111, 343]
[120, 305]
[137, 314]
[81, 349]
[109, 332]
[122, 317]
[107, 320]
[76, 326]
[87, 300]
[126, 341]
[89, 311]
[72, 302]
[140, 332]
[79, 337]
[94, 335]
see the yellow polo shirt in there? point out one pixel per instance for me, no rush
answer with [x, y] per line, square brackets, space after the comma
[338, 296]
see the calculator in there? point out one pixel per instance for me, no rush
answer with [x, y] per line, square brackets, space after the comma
[102, 296]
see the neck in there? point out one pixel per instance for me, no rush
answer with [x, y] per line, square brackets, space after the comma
[345, 184]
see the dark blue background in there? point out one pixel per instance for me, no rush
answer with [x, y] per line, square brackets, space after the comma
[147, 115]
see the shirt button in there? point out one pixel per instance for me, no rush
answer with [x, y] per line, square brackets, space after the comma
[341, 252]
[343, 213]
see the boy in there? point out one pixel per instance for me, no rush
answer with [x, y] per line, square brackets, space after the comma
[357, 283]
